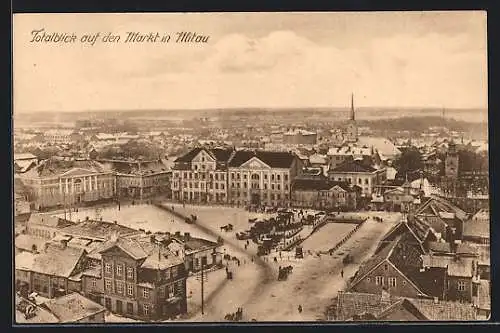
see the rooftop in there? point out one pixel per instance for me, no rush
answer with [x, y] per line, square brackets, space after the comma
[54, 260]
[355, 166]
[39, 314]
[73, 307]
[54, 167]
[283, 160]
[353, 304]
[98, 230]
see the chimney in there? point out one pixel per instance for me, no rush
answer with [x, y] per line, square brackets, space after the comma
[86, 218]
[187, 235]
[63, 244]
[100, 219]
[436, 300]
[116, 222]
[45, 247]
[152, 239]
[178, 233]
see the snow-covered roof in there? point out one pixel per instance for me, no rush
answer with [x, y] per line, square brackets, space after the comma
[350, 150]
[382, 145]
[24, 156]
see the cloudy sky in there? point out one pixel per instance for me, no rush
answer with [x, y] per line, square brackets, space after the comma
[432, 59]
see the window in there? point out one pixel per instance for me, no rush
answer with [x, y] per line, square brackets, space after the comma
[367, 279]
[278, 177]
[130, 308]
[162, 292]
[286, 177]
[119, 288]
[221, 186]
[366, 181]
[171, 291]
[108, 285]
[108, 268]
[130, 273]
[279, 187]
[386, 267]
[145, 293]
[130, 290]
[379, 280]
[461, 286]
[174, 271]
[119, 270]
[265, 176]
[272, 186]
[94, 283]
[392, 281]
[145, 309]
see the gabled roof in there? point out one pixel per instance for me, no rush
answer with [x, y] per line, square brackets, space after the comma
[160, 259]
[73, 307]
[24, 156]
[375, 261]
[53, 167]
[283, 160]
[98, 229]
[353, 166]
[48, 221]
[218, 154]
[42, 316]
[57, 261]
[318, 185]
[352, 304]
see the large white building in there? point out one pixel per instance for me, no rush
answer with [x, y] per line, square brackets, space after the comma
[239, 177]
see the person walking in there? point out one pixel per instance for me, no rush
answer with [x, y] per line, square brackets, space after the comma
[300, 308]
[342, 273]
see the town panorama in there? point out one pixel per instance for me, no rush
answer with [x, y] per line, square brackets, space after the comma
[213, 219]
[257, 167]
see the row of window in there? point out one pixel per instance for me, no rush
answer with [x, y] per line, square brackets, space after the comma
[256, 186]
[210, 186]
[349, 180]
[272, 196]
[119, 271]
[391, 281]
[120, 288]
[255, 176]
[202, 176]
[108, 268]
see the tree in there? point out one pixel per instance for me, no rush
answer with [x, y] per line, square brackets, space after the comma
[409, 163]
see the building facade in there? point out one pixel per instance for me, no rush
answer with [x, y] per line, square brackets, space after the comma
[201, 176]
[140, 179]
[60, 183]
[357, 173]
[238, 177]
[323, 194]
[143, 280]
[262, 177]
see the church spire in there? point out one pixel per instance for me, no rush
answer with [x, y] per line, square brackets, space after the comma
[352, 107]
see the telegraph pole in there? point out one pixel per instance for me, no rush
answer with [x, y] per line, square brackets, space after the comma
[202, 300]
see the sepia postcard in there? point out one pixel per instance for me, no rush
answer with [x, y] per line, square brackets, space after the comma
[320, 167]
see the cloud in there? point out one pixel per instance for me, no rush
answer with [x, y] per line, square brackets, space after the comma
[282, 68]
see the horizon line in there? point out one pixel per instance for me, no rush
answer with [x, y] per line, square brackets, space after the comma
[255, 108]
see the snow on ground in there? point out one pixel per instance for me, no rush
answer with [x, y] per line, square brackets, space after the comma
[212, 281]
[113, 318]
[144, 216]
[327, 236]
[315, 281]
